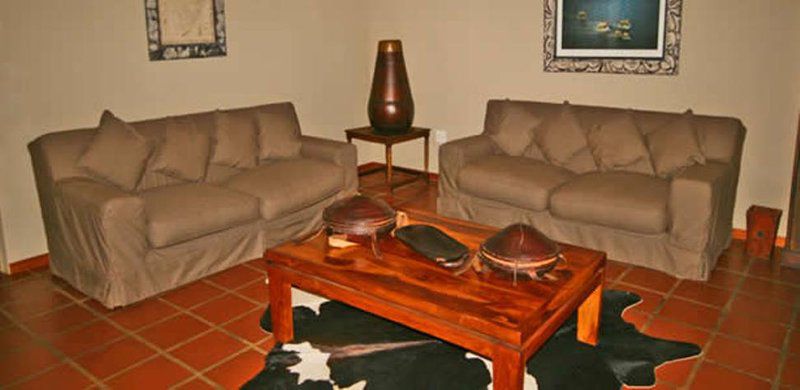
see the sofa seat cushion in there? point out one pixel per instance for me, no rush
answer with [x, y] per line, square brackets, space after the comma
[182, 212]
[517, 181]
[622, 200]
[285, 186]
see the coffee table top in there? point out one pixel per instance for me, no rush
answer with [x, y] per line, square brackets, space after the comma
[486, 303]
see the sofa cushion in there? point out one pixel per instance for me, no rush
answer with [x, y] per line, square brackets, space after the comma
[285, 186]
[117, 153]
[182, 212]
[236, 139]
[184, 152]
[675, 146]
[622, 200]
[561, 136]
[618, 145]
[517, 181]
[514, 130]
[278, 134]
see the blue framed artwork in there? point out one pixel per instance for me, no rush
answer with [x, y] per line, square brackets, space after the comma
[180, 29]
[612, 36]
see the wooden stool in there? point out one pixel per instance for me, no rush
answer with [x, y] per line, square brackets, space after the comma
[762, 230]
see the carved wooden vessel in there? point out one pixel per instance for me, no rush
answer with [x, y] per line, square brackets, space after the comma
[520, 249]
[361, 216]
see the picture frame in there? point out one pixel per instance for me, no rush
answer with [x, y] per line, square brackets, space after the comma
[182, 29]
[612, 36]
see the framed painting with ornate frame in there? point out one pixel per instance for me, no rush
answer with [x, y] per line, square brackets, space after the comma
[612, 36]
[179, 29]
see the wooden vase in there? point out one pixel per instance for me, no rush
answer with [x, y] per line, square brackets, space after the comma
[391, 107]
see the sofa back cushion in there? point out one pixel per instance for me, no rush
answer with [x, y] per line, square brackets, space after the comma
[278, 132]
[618, 145]
[720, 137]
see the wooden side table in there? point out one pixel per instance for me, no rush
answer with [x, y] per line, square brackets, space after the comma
[369, 135]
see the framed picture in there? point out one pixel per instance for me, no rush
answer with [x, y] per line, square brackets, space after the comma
[178, 29]
[612, 36]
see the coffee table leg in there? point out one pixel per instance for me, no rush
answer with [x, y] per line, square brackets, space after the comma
[280, 306]
[508, 369]
[589, 316]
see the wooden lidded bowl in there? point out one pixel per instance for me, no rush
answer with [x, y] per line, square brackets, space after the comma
[520, 249]
[362, 216]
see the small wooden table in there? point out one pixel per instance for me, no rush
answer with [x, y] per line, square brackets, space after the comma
[480, 311]
[369, 135]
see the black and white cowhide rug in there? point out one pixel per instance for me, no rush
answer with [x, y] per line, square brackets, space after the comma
[339, 347]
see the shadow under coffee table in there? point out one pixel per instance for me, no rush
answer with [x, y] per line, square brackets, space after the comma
[482, 312]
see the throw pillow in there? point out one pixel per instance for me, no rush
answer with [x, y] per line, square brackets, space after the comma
[235, 135]
[278, 135]
[184, 153]
[515, 130]
[618, 145]
[117, 154]
[675, 146]
[561, 137]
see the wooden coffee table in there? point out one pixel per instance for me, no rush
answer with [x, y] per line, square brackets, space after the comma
[479, 311]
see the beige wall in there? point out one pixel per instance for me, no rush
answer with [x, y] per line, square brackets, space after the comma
[62, 62]
[735, 61]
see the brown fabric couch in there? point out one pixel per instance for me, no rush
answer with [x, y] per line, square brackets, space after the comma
[120, 246]
[678, 223]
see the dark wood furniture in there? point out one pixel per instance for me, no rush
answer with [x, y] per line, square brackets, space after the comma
[480, 311]
[368, 134]
[762, 230]
[790, 255]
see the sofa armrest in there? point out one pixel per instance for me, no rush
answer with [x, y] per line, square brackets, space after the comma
[701, 203]
[455, 155]
[100, 225]
[340, 153]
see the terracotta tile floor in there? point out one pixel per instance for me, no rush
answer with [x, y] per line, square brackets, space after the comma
[206, 334]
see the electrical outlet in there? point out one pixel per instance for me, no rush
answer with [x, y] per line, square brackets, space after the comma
[440, 136]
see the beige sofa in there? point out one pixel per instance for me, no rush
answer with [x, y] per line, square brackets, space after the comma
[120, 246]
[676, 221]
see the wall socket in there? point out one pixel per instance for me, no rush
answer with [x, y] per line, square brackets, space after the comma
[440, 136]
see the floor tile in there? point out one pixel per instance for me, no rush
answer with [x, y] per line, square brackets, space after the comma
[650, 300]
[236, 372]
[195, 384]
[224, 308]
[670, 330]
[770, 334]
[725, 279]
[690, 312]
[82, 340]
[207, 350]
[248, 327]
[736, 259]
[114, 357]
[791, 372]
[13, 337]
[192, 294]
[258, 264]
[39, 302]
[755, 360]
[5, 321]
[257, 291]
[60, 320]
[142, 314]
[676, 372]
[772, 270]
[158, 373]
[614, 269]
[649, 279]
[66, 376]
[702, 292]
[794, 342]
[25, 362]
[713, 376]
[636, 317]
[173, 331]
[771, 290]
[235, 277]
[762, 309]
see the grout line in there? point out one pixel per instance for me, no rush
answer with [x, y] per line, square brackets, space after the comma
[784, 354]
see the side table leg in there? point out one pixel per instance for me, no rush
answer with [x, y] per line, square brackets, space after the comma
[389, 165]
[508, 369]
[427, 158]
[280, 306]
[589, 316]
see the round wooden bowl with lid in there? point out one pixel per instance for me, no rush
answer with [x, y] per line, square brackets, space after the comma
[361, 215]
[520, 249]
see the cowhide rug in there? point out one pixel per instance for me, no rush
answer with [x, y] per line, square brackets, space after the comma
[340, 347]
